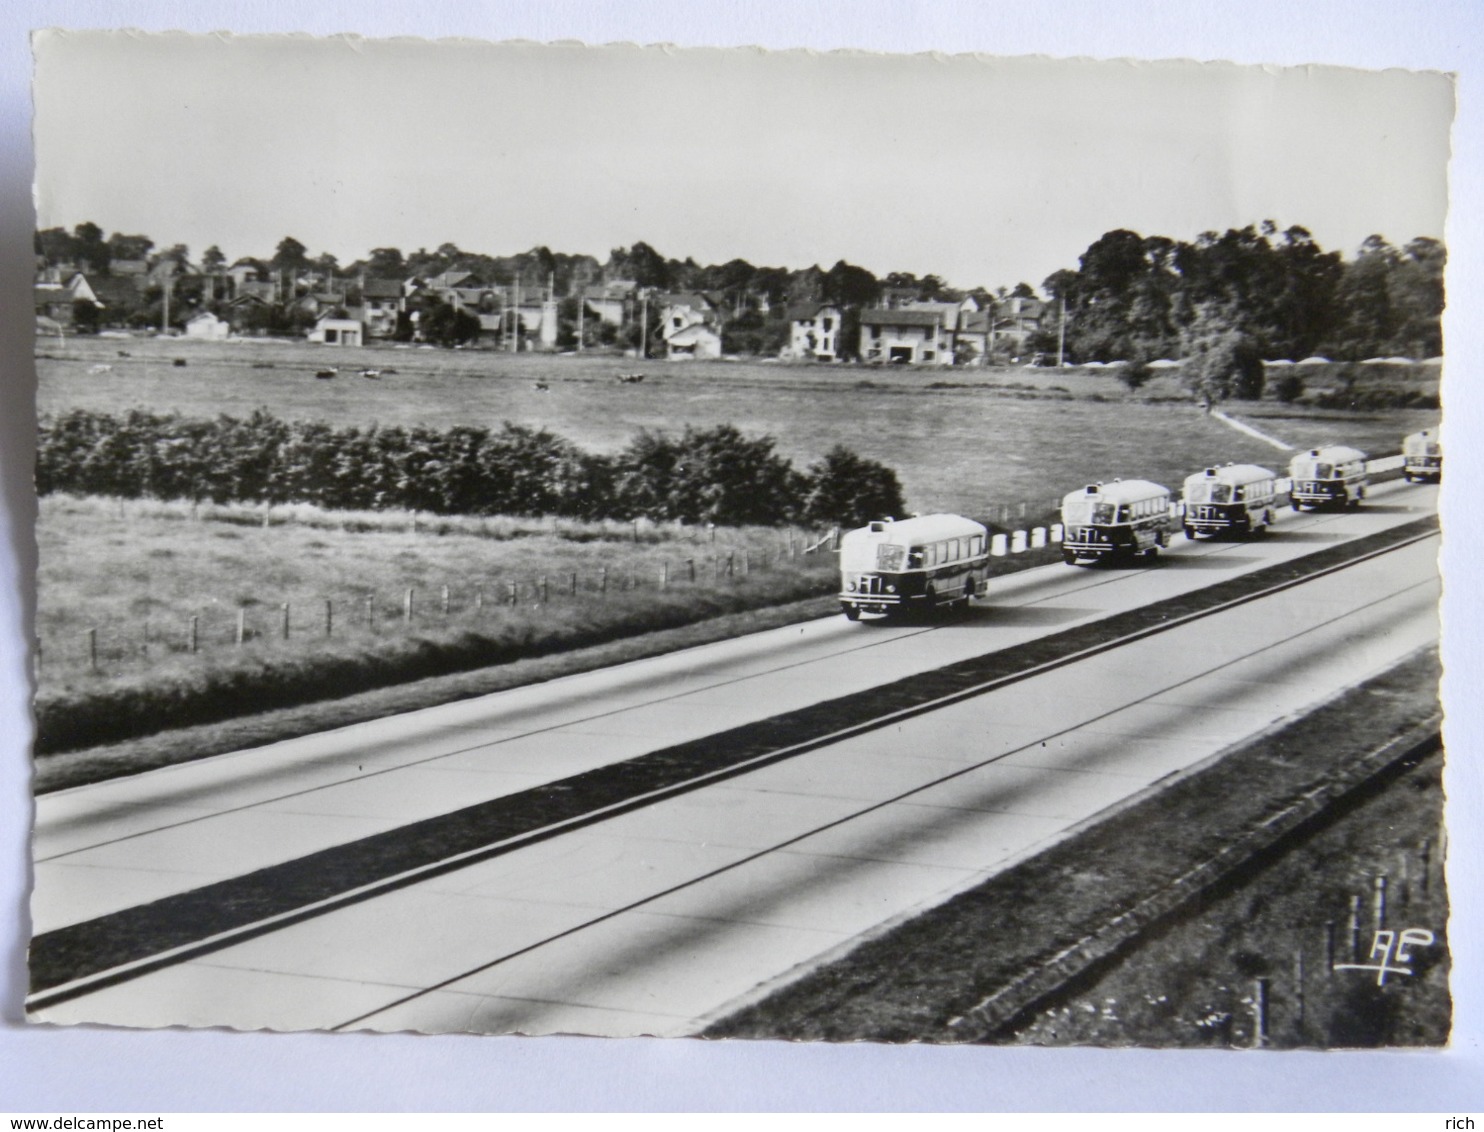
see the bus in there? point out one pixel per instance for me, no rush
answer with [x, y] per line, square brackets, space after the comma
[893, 565]
[1333, 476]
[1237, 499]
[1422, 457]
[1115, 521]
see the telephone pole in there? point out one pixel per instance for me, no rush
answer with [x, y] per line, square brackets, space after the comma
[1061, 334]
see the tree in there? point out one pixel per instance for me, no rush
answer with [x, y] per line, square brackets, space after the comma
[443, 325]
[212, 260]
[850, 490]
[1218, 360]
[88, 247]
[386, 263]
[55, 245]
[130, 247]
[290, 255]
[850, 286]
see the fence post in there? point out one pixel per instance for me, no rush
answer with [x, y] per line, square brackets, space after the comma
[545, 590]
[1354, 928]
[370, 615]
[1298, 986]
[665, 576]
[285, 609]
[1038, 537]
[746, 566]
[241, 624]
[329, 618]
[1017, 542]
[194, 634]
[690, 566]
[407, 607]
[1378, 906]
[1426, 864]
[573, 586]
[731, 564]
[603, 580]
[445, 599]
[1056, 532]
[1329, 945]
[1259, 1013]
[514, 593]
[93, 649]
[479, 597]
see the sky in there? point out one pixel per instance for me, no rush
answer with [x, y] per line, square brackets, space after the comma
[983, 171]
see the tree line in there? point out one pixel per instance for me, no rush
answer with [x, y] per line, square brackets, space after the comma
[1131, 298]
[1253, 291]
[716, 475]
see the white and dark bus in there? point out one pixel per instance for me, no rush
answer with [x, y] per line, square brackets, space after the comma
[1115, 521]
[1422, 457]
[890, 566]
[1237, 499]
[1328, 477]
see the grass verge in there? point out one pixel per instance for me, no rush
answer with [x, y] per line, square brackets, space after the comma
[920, 980]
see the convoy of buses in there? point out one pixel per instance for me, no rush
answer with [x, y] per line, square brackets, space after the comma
[935, 561]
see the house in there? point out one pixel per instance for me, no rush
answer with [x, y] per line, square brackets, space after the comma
[1015, 320]
[814, 332]
[688, 325]
[906, 337]
[207, 326]
[608, 301]
[53, 301]
[251, 277]
[694, 341]
[136, 271]
[381, 301]
[337, 332]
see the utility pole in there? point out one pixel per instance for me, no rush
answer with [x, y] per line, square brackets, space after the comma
[1061, 334]
[581, 303]
[644, 324]
[165, 321]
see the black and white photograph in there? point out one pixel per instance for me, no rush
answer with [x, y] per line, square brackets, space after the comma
[616, 540]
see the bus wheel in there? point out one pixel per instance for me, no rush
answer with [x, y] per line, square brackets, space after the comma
[1069, 558]
[852, 612]
[1190, 532]
[1153, 552]
[1296, 505]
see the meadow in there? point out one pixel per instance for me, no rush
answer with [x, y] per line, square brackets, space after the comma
[141, 603]
[969, 441]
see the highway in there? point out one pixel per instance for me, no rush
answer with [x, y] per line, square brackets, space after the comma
[677, 908]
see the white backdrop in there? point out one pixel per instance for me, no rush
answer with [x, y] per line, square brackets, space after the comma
[94, 1069]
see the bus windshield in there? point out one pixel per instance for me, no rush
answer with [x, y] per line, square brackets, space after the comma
[889, 557]
[1083, 512]
[1313, 470]
[1209, 492]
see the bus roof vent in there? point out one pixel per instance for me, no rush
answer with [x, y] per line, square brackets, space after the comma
[1092, 488]
[1210, 471]
[879, 525]
[1313, 451]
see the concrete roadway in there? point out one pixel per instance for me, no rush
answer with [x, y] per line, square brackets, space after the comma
[657, 920]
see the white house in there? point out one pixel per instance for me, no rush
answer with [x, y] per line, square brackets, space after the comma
[337, 332]
[814, 332]
[207, 326]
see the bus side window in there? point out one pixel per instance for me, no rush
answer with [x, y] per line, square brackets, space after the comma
[914, 558]
[953, 551]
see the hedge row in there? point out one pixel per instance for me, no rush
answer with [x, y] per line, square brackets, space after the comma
[712, 475]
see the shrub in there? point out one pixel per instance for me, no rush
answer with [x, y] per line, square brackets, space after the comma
[715, 475]
[850, 490]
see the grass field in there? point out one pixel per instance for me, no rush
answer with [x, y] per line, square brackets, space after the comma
[119, 584]
[1194, 984]
[960, 440]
